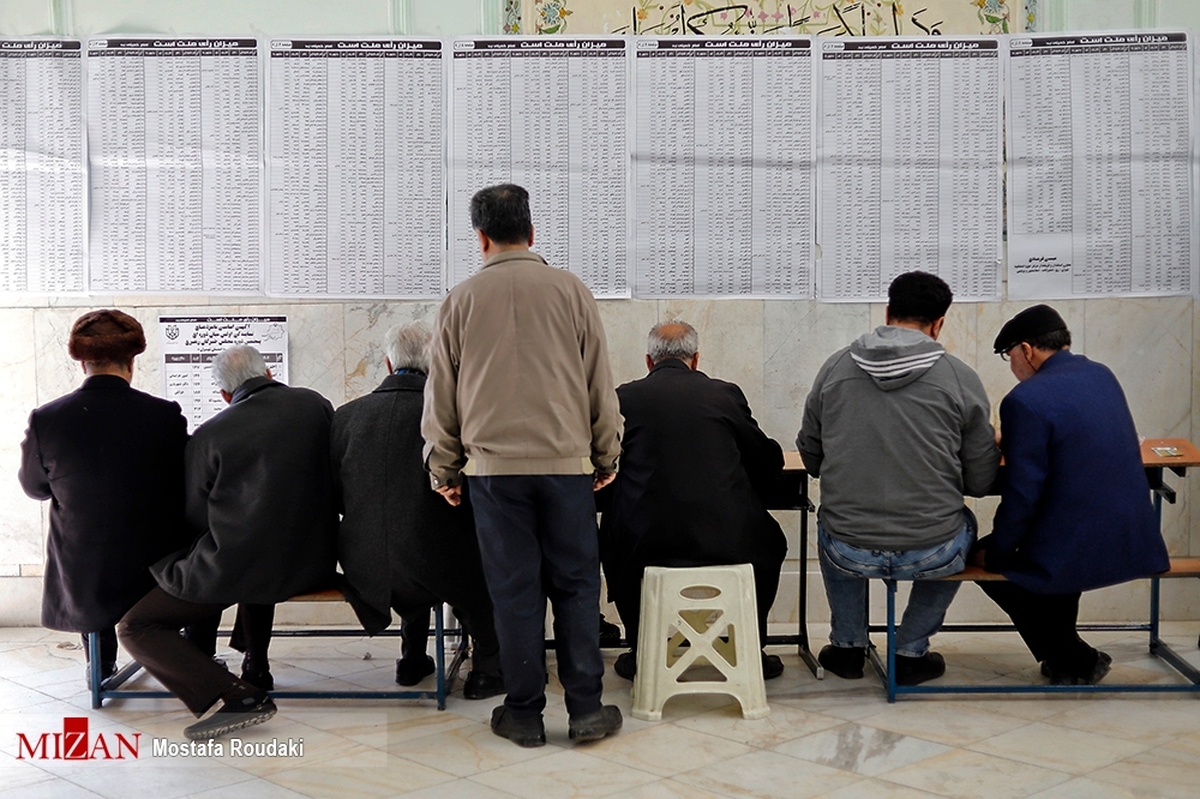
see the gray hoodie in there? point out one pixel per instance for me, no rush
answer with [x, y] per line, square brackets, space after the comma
[897, 429]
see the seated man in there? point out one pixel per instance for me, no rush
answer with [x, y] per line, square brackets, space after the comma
[401, 545]
[110, 459]
[693, 461]
[260, 501]
[897, 430]
[1075, 511]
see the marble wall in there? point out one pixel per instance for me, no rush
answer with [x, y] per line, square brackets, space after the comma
[771, 348]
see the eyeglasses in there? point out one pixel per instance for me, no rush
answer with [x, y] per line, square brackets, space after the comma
[1004, 355]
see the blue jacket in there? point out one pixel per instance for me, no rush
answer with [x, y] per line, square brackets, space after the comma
[1075, 511]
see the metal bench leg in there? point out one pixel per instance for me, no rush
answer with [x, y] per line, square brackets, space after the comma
[440, 643]
[891, 640]
[93, 644]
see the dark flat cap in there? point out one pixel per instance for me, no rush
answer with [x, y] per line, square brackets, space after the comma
[106, 335]
[1028, 325]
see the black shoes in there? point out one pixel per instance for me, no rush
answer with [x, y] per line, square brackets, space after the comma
[260, 678]
[481, 685]
[844, 661]
[106, 670]
[626, 665]
[914, 671]
[610, 634]
[772, 666]
[413, 670]
[1098, 673]
[523, 732]
[594, 726]
[232, 716]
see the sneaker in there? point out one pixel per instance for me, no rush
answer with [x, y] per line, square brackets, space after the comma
[914, 671]
[413, 670]
[772, 666]
[529, 732]
[594, 726]
[626, 665]
[610, 634]
[1098, 673]
[844, 661]
[481, 685]
[232, 716]
[106, 671]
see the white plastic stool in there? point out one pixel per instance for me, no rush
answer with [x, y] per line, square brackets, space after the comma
[713, 609]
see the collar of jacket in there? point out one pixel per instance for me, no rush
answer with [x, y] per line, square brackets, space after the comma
[670, 363]
[514, 255]
[252, 386]
[408, 382]
[104, 381]
[1060, 358]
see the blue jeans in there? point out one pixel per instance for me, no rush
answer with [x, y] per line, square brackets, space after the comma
[847, 568]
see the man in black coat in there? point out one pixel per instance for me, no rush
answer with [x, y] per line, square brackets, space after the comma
[401, 546]
[110, 459]
[693, 462]
[260, 501]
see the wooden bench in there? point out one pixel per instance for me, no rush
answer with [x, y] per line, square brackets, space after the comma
[1180, 567]
[111, 688]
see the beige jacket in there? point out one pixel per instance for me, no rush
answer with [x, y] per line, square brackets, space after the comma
[519, 381]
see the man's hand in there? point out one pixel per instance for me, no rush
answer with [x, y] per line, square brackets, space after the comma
[601, 479]
[452, 494]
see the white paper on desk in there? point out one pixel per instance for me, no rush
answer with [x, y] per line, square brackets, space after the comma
[175, 153]
[188, 344]
[549, 114]
[43, 199]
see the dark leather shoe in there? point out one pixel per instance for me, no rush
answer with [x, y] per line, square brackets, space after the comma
[481, 685]
[106, 671]
[1098, 672]
[413, 670]
[626, 665]
[772, 666]
[231, 717]
[844, 661]
[914, 671]
[593, 726]
[260, 679]
[610, 634]
[523, 732]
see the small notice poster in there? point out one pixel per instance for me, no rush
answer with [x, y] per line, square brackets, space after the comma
[189, 344]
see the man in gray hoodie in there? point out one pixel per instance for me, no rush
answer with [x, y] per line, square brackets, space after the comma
[897, 430]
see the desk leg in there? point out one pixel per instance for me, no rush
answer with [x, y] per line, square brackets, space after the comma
[803, 647]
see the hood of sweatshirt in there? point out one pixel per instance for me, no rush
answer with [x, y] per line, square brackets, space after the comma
[895, 356]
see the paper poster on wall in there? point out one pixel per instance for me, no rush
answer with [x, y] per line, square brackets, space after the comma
[43, 166]
[1100, 181]
[910, 170]
[175, 154]
[188, 344]
[356, 130]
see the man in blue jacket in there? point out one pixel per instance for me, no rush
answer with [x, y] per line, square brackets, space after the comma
[1075, 510]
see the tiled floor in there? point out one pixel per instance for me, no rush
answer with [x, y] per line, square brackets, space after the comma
[831, 738]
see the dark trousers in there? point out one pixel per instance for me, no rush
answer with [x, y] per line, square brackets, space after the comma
[150, 633]
[413, 597]
[1046, 622]
[108, 646]
[538, 538]
[766, 585]
[251, 634]
[414, 633]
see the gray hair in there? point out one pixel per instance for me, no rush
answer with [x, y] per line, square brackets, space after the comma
[407, 346]
[673, 339]
[236, 365]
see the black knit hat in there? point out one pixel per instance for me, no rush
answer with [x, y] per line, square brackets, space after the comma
[106, 336]
[1029, 324]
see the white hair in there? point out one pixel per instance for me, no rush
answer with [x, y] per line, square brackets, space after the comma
[673, 339]
[236, 365]
[407, 346]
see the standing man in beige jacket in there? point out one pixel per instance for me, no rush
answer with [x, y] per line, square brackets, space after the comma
[519, 384]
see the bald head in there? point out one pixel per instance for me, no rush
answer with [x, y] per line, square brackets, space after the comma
[673, 339]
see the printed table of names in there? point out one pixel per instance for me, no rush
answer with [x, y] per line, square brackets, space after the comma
[356, 202]
[1100, 166]
[175, 146]
[723, 167]
[43, 199]
[548, 114]
[911, 134]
